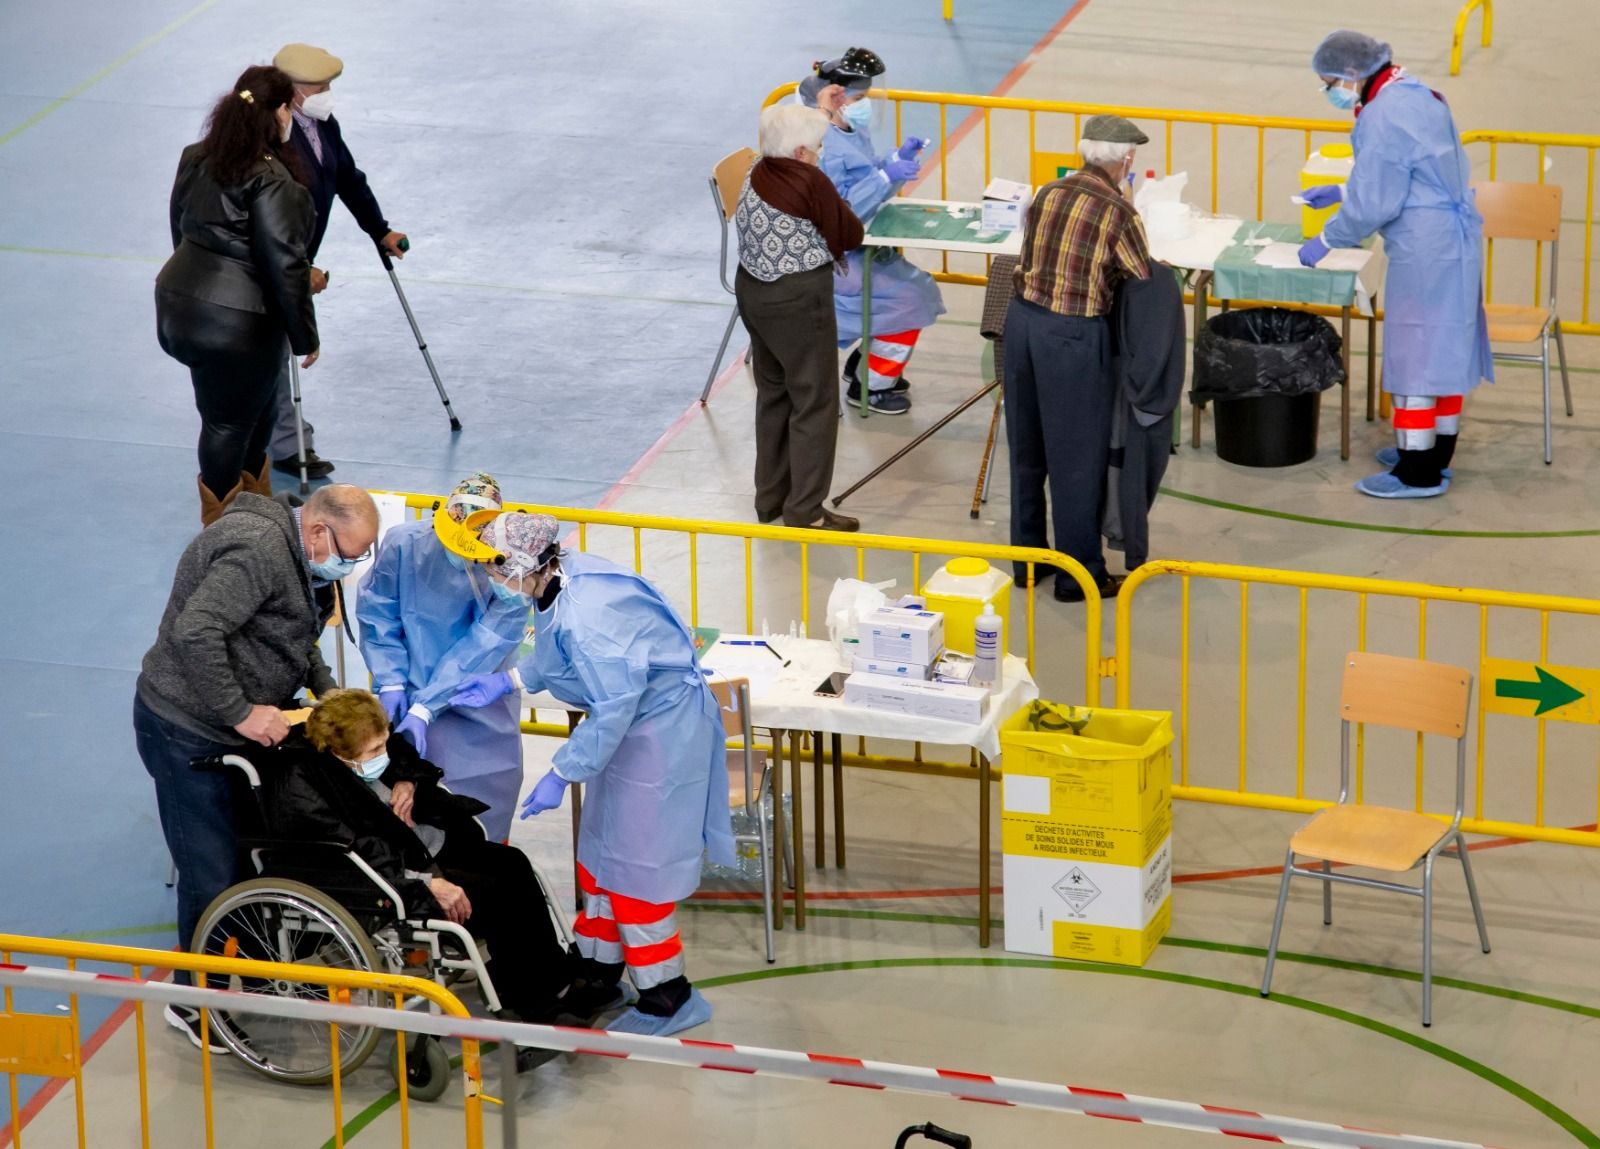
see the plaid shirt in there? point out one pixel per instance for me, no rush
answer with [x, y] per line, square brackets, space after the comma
[1082, 238]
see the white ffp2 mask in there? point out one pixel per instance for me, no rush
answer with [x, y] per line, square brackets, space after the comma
[318, 106]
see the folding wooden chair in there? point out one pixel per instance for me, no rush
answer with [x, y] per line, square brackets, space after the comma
[1409, 694]
[747, 777]
[727, 178]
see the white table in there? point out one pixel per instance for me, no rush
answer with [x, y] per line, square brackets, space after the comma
[783, 700]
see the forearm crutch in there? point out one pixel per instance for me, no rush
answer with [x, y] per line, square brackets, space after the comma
[422, 344]
[299, 421]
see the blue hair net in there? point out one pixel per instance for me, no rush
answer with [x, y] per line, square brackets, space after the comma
[1350, 54]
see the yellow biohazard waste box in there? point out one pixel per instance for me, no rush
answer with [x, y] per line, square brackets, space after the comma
[1086, 829]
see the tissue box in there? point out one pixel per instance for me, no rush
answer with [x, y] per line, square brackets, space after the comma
[891, 669]
[898, 634]
[1005, 205]
[915, 697]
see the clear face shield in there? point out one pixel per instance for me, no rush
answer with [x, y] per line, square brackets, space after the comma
[466, 551]
[868, 113]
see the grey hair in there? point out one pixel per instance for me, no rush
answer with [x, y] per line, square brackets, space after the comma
[787, 127]
[343, 505]
[1104, 153]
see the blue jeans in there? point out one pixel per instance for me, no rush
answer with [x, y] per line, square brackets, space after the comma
[197, 815]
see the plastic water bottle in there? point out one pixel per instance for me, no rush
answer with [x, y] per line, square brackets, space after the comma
[989, 639]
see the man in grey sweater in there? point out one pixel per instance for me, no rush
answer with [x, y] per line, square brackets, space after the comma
[237, 642]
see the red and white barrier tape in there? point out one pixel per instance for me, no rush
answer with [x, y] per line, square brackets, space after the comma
[716, 1055]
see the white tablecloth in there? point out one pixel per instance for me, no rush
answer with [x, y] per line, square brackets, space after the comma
[784, 697]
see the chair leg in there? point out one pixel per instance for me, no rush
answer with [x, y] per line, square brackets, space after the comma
[1277, 922]
[1472, 891]
[788, 843]
[1561, 356]
[1544, 357]
[1427, 943]
[1327, 896]
[766, 879]
[722, 348]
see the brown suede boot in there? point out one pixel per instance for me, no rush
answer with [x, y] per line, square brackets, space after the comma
[211, 507]
[260, 484]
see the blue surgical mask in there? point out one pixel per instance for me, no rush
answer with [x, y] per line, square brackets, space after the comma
[1342, 97]
[454, 559]
[858, 115]
[506, 593]
[372, 769]
[333, 568]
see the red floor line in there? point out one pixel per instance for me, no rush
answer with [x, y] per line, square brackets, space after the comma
[103, 1033]
[975, 117]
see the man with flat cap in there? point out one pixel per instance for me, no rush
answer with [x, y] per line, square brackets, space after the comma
[1081, 239]
[330, 171]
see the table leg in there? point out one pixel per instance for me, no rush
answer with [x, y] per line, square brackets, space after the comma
[799, 835]
[1201, 285]
[779, 829]
[820, 800]
[838, 801]
[1344, 388]
[577, 820]
[1372, 365]
[984, 778]
[863, 369]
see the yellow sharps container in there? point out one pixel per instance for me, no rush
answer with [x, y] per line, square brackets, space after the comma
[1329, 164]
[960, 589]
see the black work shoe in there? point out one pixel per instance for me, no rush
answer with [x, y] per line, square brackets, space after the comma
[316, 466]
[187, 1022]
[772, 518]
[1068, 590]
[831, 522]
[531, 1057]
[853, 391]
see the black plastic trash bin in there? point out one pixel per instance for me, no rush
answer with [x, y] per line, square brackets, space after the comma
[1265, 368]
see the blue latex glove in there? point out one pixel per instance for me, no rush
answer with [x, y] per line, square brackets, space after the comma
[899, 170]
[1312, 251]
[909, 149]
[394, 703]
[482, 689]
[415, 729]
[546, 794]
[1325, 195]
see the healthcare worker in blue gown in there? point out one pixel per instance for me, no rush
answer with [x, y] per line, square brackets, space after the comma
[1410, 184]
[426, 624]
[651, 751]
[905, 299]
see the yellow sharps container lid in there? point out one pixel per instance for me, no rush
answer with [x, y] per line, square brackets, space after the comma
[966, 568]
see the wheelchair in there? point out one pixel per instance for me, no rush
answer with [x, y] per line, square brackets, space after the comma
[321, 904]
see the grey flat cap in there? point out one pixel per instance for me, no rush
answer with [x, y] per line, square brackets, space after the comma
[1113, 130]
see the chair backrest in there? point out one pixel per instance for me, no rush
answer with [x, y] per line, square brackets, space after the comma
[1406, 693]
[731, 695]
[728, 175]
[1520, 211]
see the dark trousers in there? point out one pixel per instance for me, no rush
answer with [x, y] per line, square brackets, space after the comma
[529, 965]
[1058, 396]
[234, 358]
[197, 814]
[794, 353]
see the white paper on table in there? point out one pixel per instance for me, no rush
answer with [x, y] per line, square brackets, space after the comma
[1282, 255]
[1199, 250]
[1345, 259]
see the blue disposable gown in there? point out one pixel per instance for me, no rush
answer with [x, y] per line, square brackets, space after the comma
[422, 624]
[1411, 184]
[651, 750]
[904, 297]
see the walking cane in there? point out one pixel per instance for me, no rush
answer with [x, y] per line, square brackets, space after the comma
[422, 344]
[299, 423]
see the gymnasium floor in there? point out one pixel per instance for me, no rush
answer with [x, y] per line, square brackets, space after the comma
[549, 162]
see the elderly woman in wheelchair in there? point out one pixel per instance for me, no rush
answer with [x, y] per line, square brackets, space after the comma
[366, 862]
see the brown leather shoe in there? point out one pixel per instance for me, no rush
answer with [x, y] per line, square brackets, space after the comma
[211, 507]
[832, 522]
[1068, 590]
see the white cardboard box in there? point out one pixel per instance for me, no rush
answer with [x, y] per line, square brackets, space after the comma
[1005, 205]
[899, 634]
[892, 669]
[912, 696]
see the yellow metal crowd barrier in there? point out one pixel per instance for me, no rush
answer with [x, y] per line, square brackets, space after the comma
[59, 1042]
[1285, 679]
[1461, 30]
[1246, 165]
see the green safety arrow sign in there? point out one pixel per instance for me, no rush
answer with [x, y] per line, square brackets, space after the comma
[1535, 690]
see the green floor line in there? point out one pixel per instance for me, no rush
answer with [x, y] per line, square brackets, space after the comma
[1542, 1105]
[122, 932]
[148, 42]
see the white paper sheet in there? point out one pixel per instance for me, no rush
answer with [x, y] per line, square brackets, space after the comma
[1339, 259]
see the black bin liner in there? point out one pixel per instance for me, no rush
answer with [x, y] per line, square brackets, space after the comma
[1266, 368]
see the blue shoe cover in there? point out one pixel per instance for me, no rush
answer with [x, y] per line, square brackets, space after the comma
[695, 1011]
[1386, 486]
[1390, 457]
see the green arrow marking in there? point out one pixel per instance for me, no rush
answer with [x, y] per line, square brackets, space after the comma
[1549, 691]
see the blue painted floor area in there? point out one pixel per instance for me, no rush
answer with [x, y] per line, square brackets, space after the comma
[548, 161]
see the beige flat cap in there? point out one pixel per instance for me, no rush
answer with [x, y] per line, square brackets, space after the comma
[306, 64]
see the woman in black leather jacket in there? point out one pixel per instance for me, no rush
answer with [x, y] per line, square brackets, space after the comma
[235, 297]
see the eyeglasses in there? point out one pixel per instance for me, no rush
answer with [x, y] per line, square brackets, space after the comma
[339, 550]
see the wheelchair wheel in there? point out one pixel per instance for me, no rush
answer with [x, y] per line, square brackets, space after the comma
[427, 1066]
[269, 919]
